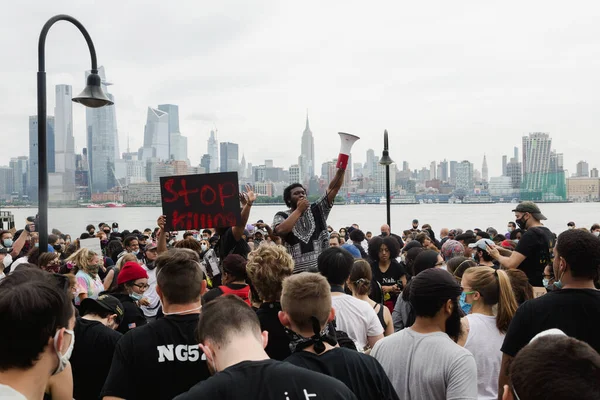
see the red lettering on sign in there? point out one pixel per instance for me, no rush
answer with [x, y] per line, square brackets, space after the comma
[184, 192]
[190, 220]
[203, 199]
[177, 219]
[224, 195]
[169, 188]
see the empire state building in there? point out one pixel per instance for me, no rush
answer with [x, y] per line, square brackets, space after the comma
[307, 154]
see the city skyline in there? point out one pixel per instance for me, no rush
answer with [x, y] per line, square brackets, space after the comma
[467, 91]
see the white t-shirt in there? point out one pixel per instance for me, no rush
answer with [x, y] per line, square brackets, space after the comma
[18, 262]
[427, 366]
[484, 342]
[150, 294]
[8, 393]
[357, 318]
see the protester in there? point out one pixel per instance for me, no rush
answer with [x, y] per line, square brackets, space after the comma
[595, 230]
[359, 283]
[37, 338]
[407, 356]
[162, 359]
[451, 249]
[96, 342]
[465, 239]
[385, 232]
[555, 366]
[267, 267]
[521, 287]
[149, 264]
[481, 255]
[534, 250]
[574, 309]
[353, 316]
[303, 227]
[132, 282]
[358, 240]
[483, 289]
[234, 280]
[306, 311]
[334, 241]
[49, 262]
[230, 337]
[386, 270]
[510, 228]
[86, 264]
[415, 226]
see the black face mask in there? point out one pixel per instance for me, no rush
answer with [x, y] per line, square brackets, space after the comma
[57, 248]
[521, 223]
[150, 264]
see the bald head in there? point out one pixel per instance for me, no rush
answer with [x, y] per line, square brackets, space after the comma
[444, 232]
[385, 230]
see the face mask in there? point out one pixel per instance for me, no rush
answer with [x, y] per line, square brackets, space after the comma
[37, 245]
[92, 269]
[466, 307]
[92, 233]
[136, 296]
[596, 233]
[571, 227]
[205, 237]
[63, 359]
[7, 242]
[204, 247]
[107, 232]
[150, 265]
[510, 229]
[57, 247]
[104, 242]
[115, 230]
[383, 233]
[522, 223]
[135, 252]
[299, 343]
[516, 241]
[546, 283]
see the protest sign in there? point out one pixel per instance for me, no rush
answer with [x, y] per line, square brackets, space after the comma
[92, 244]
[200, 201]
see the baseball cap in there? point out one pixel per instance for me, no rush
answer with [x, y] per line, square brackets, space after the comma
[482, 244]
[571, 223]
[415, 221]
[115, 225]
[352, 249]
[531, 208]
[151, 245]
[106, 301]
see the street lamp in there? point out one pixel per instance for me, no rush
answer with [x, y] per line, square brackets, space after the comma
[387, 161]
[92, 96]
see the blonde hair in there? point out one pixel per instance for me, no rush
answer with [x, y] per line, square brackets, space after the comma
[127, 257]
[81, 259]
[304, 296]
[267, 267]
[495, 288]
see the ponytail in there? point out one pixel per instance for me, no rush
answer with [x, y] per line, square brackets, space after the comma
[495, 288]
[507, 304]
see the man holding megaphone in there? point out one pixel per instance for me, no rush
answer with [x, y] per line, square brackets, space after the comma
[303, 227]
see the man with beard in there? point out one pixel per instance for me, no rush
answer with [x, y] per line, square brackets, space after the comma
[303, 227]
[406, 356]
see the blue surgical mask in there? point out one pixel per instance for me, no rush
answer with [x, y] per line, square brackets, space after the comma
[37, 245]
[136, 296]
[466, 307]
[7, 242]
[546, 282]
[135, 252]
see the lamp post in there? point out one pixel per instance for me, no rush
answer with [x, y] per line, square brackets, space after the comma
[92, 96]
[387, 161]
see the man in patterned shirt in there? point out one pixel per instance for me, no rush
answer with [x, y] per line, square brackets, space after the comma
[303, 227]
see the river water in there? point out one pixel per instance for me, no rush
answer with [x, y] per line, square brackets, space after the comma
[369, 217]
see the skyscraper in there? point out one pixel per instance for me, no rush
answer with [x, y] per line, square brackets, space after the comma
[229, 157]
[484, 170]
[536, 159]
[205, 163]
[594, 173]
[464, 176]
[453, 166]
[583, 169]
[177, 142]
[33, 153]
[295, 174]
[308, 151]
[443, 171]
[371, 165]
[64, 144]
[432, 171]
[102, 141]
[156, 134]
[213, 152]
[504, 162]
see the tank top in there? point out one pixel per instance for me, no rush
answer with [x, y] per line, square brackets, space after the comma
[242, 293]
[380, 315]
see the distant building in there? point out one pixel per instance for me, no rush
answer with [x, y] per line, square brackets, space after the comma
[308, 151]
[142, 193]
[536, 159]
[453, 166]
[19, 165]
[156, 135]
[513, 171]
[464, 176]
[594, 173]
[295, 174]
[583, 189]
[500, 186]
[229, 157]
[6, 182]
[583, 169]
[504, 162]
[102, 141]
[213, 152]
[484, 170]
[371, 164]
[178, 145]
[380, 179]
[442, 171]
[205, 163]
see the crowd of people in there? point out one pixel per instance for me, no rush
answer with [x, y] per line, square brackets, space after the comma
[299, 310]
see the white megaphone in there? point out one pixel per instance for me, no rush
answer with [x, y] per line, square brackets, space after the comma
[347, 142]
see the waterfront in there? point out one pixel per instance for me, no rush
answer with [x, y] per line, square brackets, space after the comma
[369, 217]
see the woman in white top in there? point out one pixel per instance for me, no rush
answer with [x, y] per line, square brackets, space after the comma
[484, 288]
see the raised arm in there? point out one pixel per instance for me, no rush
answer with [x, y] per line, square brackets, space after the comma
[162, 234]
[247, 199]
[19, 243]
[287, 225]
[335, 185]
[511, 262]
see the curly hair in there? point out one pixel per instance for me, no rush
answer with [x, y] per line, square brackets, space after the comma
[267, 267]
[81, 259]
[287, 193]
[390, 242]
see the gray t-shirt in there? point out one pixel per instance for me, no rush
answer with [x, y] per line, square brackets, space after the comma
[427, 366]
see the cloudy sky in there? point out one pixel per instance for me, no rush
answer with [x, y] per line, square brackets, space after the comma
[447, 79]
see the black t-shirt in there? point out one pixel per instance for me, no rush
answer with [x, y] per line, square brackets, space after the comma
[389, 277]
[576, 312]
[157, 361]
[278, 346]
[269, 380]
[536, 245]
[228, 245]
[92, 355]
[361, 373]
[133, 315]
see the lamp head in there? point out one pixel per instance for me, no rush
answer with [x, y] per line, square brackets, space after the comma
[93, 96]
[385, 157]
